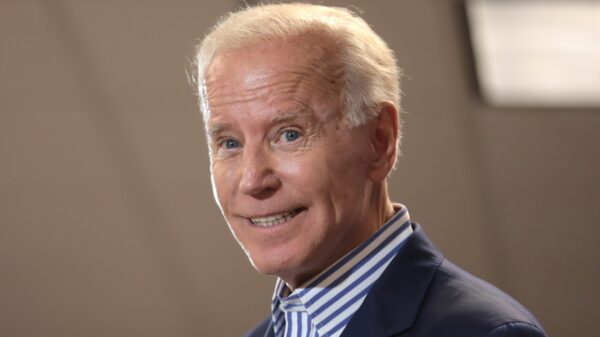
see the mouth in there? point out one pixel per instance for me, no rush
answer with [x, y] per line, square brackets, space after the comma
[275, 219]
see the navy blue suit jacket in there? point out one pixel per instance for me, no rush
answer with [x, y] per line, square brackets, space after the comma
[423, 294]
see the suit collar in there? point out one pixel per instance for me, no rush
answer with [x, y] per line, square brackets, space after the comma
[395, 299]
[270, 332]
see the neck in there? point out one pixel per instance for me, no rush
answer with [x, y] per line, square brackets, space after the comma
[383, 205]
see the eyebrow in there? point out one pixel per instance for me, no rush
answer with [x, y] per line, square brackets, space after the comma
[215, 129]
[303, 113]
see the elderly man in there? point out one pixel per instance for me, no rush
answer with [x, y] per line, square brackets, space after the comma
[301, 106]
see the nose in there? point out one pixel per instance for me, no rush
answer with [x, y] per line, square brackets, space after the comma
[258, 176]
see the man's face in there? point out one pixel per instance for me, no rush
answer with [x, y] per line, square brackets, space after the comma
[289, 176]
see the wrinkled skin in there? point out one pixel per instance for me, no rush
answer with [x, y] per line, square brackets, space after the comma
[279, 147]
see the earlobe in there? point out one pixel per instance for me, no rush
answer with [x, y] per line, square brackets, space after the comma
[384, 136]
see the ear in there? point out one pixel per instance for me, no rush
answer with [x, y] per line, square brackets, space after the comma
[384, 135]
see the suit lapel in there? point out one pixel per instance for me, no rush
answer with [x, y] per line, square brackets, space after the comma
[269, 329]
[395, 299]
[270, 332]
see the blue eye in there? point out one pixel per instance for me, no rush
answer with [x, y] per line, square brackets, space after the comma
[230, 144]
[291, 135]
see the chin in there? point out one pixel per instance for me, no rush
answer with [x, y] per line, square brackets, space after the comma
[294, 273]
[267, 267]
[278, 267]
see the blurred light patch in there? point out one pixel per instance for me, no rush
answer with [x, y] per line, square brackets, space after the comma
[537, 53]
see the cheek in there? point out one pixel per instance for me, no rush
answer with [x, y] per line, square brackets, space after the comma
[223, 182]
[305, 171]
[331, 167]
[297, 166]
[347, 170]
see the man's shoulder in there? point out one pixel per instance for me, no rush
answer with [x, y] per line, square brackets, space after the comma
[460, 302]
[423, 294]
[260, 330]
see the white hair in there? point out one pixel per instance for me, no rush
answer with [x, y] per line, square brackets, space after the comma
[370, 70]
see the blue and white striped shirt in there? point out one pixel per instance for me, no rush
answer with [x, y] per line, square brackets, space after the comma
[325, 305]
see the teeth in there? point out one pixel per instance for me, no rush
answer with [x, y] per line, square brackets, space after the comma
[269, 221]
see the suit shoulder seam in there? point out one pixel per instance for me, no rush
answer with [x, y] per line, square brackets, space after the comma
[524, 323]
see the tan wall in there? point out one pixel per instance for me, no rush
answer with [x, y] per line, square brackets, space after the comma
[107, 223]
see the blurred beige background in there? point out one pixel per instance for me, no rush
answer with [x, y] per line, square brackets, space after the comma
[107, 222]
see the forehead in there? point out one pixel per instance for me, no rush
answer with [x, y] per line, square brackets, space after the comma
[271, 71]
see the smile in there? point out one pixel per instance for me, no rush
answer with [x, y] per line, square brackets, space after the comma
[276, 219]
